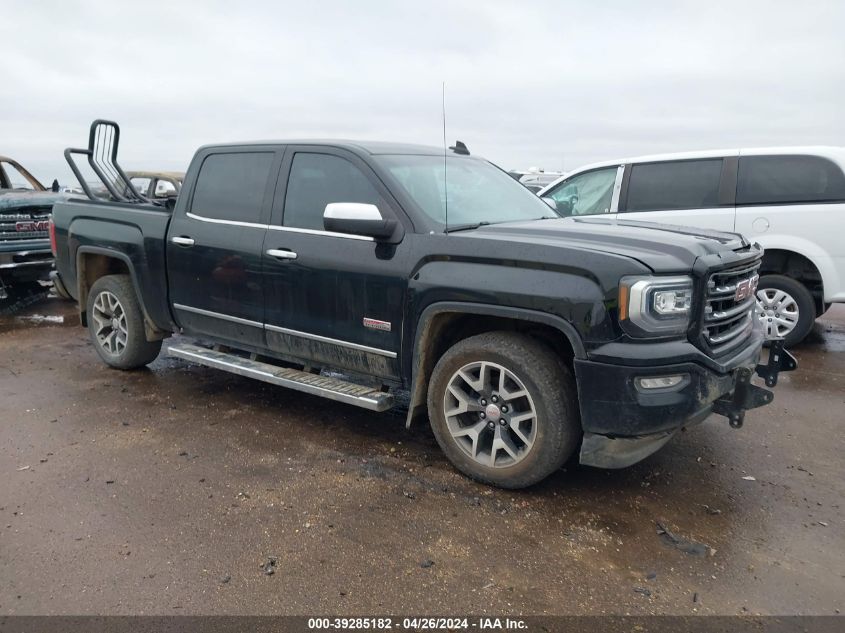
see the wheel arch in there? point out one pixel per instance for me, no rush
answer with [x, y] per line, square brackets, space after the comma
[443, 324]
[94, 262]
[789, 262]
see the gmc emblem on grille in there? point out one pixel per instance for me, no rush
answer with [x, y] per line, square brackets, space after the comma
[32, 226]
[746, 288]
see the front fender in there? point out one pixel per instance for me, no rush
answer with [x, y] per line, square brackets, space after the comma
[422, 364]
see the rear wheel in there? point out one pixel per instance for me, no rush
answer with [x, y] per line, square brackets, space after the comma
[786, 309]
[116, 324]
[503, 408]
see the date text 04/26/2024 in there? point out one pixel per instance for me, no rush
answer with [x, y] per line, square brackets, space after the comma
[417, 623]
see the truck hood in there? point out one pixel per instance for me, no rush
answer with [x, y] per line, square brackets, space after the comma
[664, 248]
[15, 199]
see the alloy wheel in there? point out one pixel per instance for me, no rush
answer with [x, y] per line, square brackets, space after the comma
[490, 414]
[110, 318]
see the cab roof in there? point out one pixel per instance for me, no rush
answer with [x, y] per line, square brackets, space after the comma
[367, 147]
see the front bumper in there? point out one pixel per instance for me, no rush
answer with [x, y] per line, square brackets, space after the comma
[624, 423]
[25, 261]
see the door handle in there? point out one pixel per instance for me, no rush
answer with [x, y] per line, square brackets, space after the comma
[183, 241]
[281, 253]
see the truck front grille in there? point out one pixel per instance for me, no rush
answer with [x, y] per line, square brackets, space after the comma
[22, 225]
[729, 304]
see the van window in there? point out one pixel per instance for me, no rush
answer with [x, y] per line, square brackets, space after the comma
[785, 179]
[231, 186]
[318, 179]
[585, 194]
[683, 184]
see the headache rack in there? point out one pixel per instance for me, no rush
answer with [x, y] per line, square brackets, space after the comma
[729, 307]
[103, 140]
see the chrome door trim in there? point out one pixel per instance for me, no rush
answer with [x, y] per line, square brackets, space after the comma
[272, 227]
[326, 339]
[249, 225]
[218, 315]
[282, 330]
[346, 236]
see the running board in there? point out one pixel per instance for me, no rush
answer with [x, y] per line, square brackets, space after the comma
[316, 385]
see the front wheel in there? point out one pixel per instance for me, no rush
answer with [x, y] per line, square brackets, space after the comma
[116, 324]
[503, 408]
[785, 308]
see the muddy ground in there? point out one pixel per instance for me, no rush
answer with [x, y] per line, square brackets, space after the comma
[165, 491]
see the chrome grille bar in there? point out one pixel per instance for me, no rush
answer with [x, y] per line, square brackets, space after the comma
[727, 322]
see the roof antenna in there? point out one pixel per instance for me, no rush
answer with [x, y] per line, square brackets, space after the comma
[445, 186]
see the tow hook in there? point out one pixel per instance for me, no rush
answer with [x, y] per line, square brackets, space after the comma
[747, 396]
[779, 360]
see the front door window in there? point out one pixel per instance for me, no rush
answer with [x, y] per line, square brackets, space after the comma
[589, 193]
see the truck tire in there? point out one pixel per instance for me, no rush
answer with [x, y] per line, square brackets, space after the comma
[787, 309]
[116, 324]
[504, 409]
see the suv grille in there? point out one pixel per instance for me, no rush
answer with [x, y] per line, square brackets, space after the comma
[23, 224]
[730, 300]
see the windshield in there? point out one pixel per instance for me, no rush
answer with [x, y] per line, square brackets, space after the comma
[478, 192]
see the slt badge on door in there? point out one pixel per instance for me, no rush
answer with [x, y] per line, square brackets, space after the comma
[375, 324]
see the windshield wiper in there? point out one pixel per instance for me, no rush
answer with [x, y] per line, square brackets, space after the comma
[465, 227]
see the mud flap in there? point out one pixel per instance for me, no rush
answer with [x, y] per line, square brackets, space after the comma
[747, 396]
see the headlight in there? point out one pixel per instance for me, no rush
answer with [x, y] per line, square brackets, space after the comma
[655, 306]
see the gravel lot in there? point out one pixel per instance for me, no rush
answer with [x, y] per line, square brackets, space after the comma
[166, 490]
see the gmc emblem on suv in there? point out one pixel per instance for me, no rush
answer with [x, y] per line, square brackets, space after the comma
[32, 226]
[746, 288]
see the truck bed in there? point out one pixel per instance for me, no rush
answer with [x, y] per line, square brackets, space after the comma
[132, 233]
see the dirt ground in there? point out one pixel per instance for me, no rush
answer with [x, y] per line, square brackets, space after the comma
[165, 491]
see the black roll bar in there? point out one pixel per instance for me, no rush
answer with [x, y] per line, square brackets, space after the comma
[103, 141]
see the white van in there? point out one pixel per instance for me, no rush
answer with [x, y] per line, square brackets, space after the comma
[789, 199]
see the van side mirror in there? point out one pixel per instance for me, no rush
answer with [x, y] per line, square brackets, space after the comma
[563, 207]
[357, 219]
[55, 186]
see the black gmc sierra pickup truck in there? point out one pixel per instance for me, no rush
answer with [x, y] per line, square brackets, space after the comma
[523, 334]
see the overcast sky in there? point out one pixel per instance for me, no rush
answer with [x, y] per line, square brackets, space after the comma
[548, 84]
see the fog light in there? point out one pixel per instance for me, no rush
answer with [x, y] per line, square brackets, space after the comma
[660, 382]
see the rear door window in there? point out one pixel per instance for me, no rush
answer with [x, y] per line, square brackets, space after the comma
[687, 184]
[231, 186]
[788, 179]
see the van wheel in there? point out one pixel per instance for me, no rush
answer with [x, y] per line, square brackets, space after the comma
[116, 324]
[504, 409]
[786, 309]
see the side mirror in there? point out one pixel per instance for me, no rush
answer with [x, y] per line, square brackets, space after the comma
[55, 186]
[358, 219]
[563, 207]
